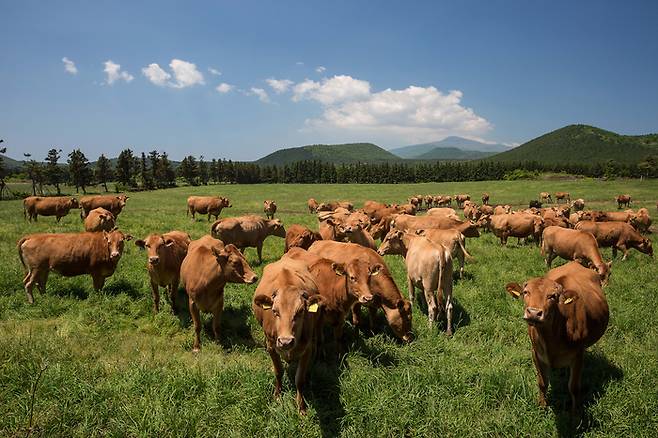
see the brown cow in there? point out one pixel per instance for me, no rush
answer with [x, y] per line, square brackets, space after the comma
[451, 239]
[562, 196]
[545, 196]
[247, 232]
[461, 199]
[112, 203]
[502, 209]
[413, 223]
[416, 202]
[58, 206]
[519, 225]
[99, 219]
[288, 305]
[407, 209]
[165, 256]
[205, 270]
[332, 205]
[396, 309]
[617, 216]
[356, 234]
[429, 267]
[566, 312]
[485, 198]
[444, 201]
[623, 200]
[487, 209]
[429, 201]
[71, 254]
[269, 207]
[300, 236]
[578, 204]
[210, 205]
[574, 245]
[472, 211]
[641, 221]
[312, 205]
[618, 235]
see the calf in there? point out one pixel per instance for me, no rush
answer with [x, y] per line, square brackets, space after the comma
[300, 236]
[269, 207]
[205, 270]
[58, 206]
[623, 200]
[574, 245]
[71, 254]
[288, 305]
[618, 235]
[210, 205]
[99, 219]
[114, 204]
[165, 256]
[247, 232]
[566, 312]
[429, 267]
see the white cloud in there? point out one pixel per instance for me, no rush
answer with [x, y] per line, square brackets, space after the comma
[262, 94]
[114, 73]
[279, 85]
[69, 66]
[299, 63]
[156, 74]
[224, 87]
[413, 114]
[186, 74]
[214, 71]
[320, 69]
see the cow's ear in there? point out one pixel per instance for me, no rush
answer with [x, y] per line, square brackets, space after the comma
[572, 308]
[231, 248]
[514, 289]
[106, 235]
[220, 254]
[128, 237]
[314, 303]
[420, 232]
[169, 242]
[338, 268]
[376, 269]
[141, 243]
[263, 301]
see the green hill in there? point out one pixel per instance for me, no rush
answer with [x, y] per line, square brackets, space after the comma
[333, 153]
[10, 163]
[452, 153]
[583, 143]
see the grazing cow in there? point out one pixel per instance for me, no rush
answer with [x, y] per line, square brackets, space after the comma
[300, 236]
[443, 211]
[429, 267]
[562, 196]
[461, 199]
[472, 211]
[502, 209]
[444, 201]
[451, 239]
[247, 232]
[288, 305]
[578, 204]
[413, 223]
[165, 256]
[554, 217]
[333, 205]
[210, 205]
[114, 204]
[312, 205]
[545, 197]
[388, 297]
[519, 225]
[416, 202]
[616, 216]
[205, 270]
[429, 201]
[71, 254]
[641, 221]
[623, 201]
[58, 206]
[566, 312]
[618, 235]
[99, 219]
[487, 209]
[574, 245]
[356, 234]
[485, 198]
[269, 207]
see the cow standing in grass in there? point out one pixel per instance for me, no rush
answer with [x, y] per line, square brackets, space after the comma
[58, 206]
[115, 204]
[269, 208]
[99, 219]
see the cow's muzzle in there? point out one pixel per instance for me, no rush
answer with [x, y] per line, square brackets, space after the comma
[252, 280]
[154, 260]
[366, 299]
[534, 316]
[285, 342]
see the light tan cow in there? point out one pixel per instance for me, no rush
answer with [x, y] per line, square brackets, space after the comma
[99, 219]
[519, 225]
[269, 207]
[210, 205]
[247, 232]
[452, 239]
[312, 205]
[545, 197]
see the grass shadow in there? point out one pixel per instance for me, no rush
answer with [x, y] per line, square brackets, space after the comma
[325, 397]
[67, 291]
[122, 287]
[235, 328]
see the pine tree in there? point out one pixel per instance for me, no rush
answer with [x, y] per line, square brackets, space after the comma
[167, 171]
[126, 168]
[79, 171]
[34, 172]
[53, 173]
[144, 174]
[104, 171]
[204, 174]
[189, 170]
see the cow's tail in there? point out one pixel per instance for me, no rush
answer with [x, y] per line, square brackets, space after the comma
[463, 249]
[24, 210]
[20, 251]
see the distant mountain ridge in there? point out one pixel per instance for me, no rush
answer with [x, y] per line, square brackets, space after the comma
[333, 153]
[452, 153]
[418, 150]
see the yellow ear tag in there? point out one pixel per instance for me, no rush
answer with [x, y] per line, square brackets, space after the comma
[516, 293]
[313, 308]
[568, 300]
[266, 306]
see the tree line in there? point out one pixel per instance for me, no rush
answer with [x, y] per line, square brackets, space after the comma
[155, 170]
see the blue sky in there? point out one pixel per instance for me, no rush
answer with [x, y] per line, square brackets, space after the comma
[138, 74]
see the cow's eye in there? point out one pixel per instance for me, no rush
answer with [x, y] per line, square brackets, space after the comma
[275, 313]
[147, 245]
[552, 296]
[353, 279]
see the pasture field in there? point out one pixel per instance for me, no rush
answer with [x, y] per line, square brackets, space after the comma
[113, 368]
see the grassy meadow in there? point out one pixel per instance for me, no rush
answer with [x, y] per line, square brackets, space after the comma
[113, 368]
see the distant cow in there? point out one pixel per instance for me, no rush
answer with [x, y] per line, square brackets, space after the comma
[534, 204]
[332, 205]
[485, 198]
[413, 223]
[269, 207]
[503, 209]
[71, 254]
[578, 204]
[562, 196]
[623, 201]
[99, 219]
[207, 267]
[461, 199]
[566, 312]
[114, 204]
[574, 245]
[210, 205]
[312, 205]
[247, 232]
[618, 235]
[300, 236]
[165, 256]
[58, 206]
[545, 197]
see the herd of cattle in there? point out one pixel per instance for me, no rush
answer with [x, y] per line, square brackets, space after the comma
[325, 275]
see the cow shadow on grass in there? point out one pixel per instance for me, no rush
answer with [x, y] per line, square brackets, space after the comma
[325, 397]
[122, 287]
[460, 317]
[597, 373]
[69, 291]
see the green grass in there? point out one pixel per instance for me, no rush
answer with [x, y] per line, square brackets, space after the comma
[115, 369]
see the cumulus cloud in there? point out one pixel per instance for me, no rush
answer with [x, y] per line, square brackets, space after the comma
[156, 74]
[184, 74]
[69, 66]
[224, 88]
[410, 114]
[214, 71]
[114, 73]
[320, 69]
[262, 94]
[279, 85]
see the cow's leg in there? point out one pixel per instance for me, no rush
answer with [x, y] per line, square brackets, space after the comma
[550, 255]
[217, 316]
[623, 247]
[300, 379]
[173, 291]
[614, 250]
[449, 307]
[155, 291]
[574, 381]
[99, 282]
[412, 290]
[372, 314]
[356, 314]
[278, 369]
[58, 218]
[543, 374]
[42, 280]
[259, 249]
[196, 319]
[28, 282]
[461, 257]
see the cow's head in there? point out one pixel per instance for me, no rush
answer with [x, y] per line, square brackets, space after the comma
[276, 228]
[305, 239]
[156, 246]
[224, 202]
[470, 229]
[267, 204]
[604, 269]
[73, 203]
[358, 273]
[393, 243]
[115, 239]
[122, 200]
[645, 247]
[399, 319]
[233, 264]
[106, 220]
[484, 221]
[289, 306]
